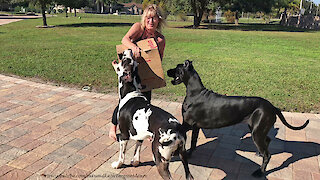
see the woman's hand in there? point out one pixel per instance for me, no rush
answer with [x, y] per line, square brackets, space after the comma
[136, 52]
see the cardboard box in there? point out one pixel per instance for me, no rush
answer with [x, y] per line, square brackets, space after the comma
[150, 67]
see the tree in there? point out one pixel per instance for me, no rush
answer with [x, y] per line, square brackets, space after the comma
[176, 7]
[160, 3]
[66, 4]
[74, 4]
[43, 5]
[198, 8]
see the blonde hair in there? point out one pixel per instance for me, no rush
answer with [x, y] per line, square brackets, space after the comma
[152, 10]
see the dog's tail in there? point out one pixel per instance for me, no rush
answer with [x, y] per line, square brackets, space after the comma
[283, 120]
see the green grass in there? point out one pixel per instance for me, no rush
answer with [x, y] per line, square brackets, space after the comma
[268, 61]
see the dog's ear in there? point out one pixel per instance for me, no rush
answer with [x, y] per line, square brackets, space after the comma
[120, 55]
[187, 64]
[115, 65]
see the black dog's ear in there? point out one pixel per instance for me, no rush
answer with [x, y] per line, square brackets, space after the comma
[187, 64]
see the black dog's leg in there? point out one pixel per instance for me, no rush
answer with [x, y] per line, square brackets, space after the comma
[161, 163]
[194, 139]
[262, 143]
[184, 159]
[136, 157]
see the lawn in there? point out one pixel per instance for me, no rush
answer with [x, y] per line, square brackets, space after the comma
[252, 60]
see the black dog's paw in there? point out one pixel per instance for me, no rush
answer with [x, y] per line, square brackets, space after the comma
[259, 154]
[258, 173]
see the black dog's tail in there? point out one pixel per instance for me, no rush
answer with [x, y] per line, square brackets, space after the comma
[283, 120]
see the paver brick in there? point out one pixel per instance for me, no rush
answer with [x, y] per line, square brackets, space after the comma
[12, 153]
[16, 174]
[53, 170]
[76, 124]
[73, 159]
[4, 147]
[25, 160]
[5, 169]
[77, 144]
[106, 154]
[21, 141]
[75, 173]
[35, 167]
[55, 135]
[92, 149]
[46, 148]
[60, 154]
[89, 164]
[32, 145]
[8, 125]
[82, 132]
[301, 174]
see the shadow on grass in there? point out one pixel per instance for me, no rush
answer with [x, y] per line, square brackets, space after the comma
[94, 25]
[250, 27]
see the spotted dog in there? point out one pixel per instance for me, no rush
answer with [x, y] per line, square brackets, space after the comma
[139, 120]
[203, 108]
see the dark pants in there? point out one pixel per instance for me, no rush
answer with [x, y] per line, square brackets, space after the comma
[114, 116]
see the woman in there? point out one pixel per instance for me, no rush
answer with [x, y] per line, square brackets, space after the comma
[152, 22]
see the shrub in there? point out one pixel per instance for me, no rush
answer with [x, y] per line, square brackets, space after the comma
[17, 9]
[230, 16]
[182, 17]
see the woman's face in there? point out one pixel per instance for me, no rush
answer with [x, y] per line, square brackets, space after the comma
[152, 22]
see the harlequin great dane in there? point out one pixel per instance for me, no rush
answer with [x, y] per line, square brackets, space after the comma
[206, 109]
[139, 120]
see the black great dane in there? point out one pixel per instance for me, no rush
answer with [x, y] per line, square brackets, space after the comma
[203, 108]
[138, 120]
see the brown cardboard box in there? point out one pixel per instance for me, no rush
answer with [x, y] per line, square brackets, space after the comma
[150, 68]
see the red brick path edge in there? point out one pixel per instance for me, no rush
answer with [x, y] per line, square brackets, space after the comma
[49, 132]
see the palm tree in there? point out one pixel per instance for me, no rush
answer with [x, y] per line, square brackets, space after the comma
[100, 5]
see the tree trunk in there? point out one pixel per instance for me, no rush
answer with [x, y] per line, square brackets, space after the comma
[102, 10]
[98, 7]
[236, 22]
[43, 11]
[198, 11]
[66, 11]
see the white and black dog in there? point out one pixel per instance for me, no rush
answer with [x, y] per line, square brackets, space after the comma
[203, 108]
[138, 120]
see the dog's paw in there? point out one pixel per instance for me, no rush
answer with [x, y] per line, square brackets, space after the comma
[259, 154]
[258, 173]
[116, 165]
[189, 177]
[135, 163]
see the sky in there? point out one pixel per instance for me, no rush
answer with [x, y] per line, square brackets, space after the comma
[316, 1]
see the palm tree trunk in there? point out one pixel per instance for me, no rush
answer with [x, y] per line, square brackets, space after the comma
[102, 10]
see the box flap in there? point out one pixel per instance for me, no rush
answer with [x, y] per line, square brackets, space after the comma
[150, 67]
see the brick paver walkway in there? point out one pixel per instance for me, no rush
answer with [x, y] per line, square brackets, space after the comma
[49, 132]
